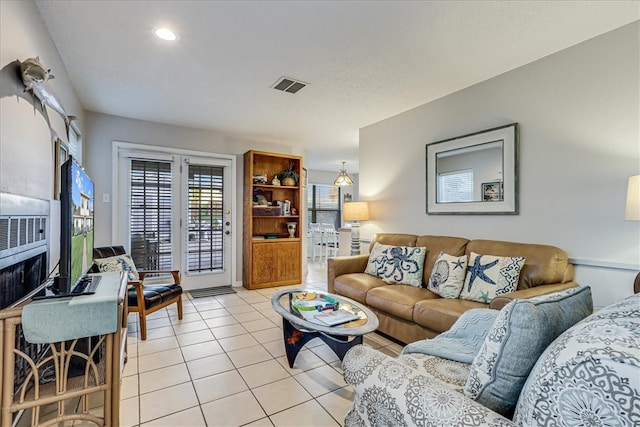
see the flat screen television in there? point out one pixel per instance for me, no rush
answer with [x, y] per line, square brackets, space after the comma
[76, 228]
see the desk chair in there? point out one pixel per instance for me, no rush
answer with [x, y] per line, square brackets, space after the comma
[143, 298]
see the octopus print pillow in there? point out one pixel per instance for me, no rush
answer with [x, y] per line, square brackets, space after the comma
[397, 264]
[489, 276]
[447, 276]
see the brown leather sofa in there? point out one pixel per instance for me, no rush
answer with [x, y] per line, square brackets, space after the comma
[409, 313]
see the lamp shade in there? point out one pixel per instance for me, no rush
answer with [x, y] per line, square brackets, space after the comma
[355, 211]
[632, 211]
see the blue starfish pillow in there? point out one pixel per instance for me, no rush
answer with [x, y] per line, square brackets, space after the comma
[397, 264]
[489, 276]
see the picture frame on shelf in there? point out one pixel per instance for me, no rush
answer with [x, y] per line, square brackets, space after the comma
[61, 154]
[492, 191]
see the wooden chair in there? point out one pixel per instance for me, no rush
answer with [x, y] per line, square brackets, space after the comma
[144, 299]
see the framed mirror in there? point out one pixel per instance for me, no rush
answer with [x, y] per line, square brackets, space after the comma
[474, 174]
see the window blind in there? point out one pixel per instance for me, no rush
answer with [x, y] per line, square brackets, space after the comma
[151, 214]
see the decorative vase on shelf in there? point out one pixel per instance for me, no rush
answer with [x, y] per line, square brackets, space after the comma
[289, 182]
[291, 228]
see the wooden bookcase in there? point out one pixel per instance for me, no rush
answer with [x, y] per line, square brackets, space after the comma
[270, 256]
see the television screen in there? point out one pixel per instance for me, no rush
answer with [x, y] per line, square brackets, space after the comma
[76, 233]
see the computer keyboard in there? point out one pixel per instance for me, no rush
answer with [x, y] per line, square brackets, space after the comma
[86, 285]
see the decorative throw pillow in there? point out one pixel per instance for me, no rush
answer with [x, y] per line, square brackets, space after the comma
[520, 334]
[489, 276]
[447, 276]
[397, 264]
[118, 263]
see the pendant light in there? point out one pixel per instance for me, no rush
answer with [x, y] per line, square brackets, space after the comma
[343, 179]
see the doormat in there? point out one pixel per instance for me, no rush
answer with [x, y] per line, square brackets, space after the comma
[211, 292]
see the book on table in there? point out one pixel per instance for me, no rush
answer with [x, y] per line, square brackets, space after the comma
[335, 317]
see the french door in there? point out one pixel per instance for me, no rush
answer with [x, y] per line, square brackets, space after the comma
[207, 235]
[177, 214]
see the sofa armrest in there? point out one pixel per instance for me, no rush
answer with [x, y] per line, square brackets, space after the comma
[501, 300]
[344, 265]
[389, 392]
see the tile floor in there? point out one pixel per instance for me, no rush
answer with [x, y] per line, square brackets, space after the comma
[224, 364]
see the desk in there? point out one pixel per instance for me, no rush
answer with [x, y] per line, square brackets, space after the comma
[102, 360]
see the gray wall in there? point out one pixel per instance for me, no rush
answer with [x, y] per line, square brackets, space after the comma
[578, 112]
[26, 132]
[103, 130]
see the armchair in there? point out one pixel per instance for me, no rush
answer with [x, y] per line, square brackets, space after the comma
[144, 299]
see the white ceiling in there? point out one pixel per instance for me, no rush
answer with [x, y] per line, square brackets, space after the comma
[364, 60]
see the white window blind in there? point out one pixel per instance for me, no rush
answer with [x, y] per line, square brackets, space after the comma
[456, 186]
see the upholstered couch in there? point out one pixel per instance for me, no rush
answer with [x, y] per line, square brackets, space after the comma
[588, 376]
[410, 313]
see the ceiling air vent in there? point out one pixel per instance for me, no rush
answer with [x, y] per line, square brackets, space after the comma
[287, 84]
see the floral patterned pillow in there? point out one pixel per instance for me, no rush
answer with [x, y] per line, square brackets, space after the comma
[489, 276]
[447, 276]
[397, 264]
[118, 263]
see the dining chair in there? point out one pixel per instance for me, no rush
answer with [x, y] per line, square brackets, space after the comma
[330, 243]
[316, 241]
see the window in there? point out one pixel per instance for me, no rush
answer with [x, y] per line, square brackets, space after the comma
[323, 203]
[151, 201]
[456, 186]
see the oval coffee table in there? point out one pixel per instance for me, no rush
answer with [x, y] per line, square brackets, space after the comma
[297, 331]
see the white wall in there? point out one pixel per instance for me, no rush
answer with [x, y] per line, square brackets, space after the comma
[26, 133]
[578, 112]
[103, 130]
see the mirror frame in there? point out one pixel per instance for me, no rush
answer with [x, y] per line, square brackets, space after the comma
[509, 205]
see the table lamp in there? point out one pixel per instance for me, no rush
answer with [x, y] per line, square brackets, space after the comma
[354, 212]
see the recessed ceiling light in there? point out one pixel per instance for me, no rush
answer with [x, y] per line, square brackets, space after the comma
[166, 34]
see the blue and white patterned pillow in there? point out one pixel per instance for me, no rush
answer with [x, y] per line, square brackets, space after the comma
[116, 264]
[591, 372]
[447, 276]
[520, 334]
[489, 276]
[397, 264]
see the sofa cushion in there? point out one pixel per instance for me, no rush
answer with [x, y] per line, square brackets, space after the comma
[356, 285]
[521, 332]
[544, 264]
[439, 314]
[118, 263]
[489, 276]
[591, 372]
[447, 276]
[397, 264]
[397, 300]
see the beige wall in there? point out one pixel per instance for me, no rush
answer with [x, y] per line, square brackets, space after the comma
[579, 114]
